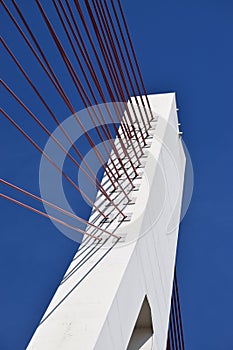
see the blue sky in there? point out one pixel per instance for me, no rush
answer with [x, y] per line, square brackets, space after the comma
[182, 46]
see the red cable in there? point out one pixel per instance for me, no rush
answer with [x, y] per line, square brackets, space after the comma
[51, 161]
[56, 207]
[47, 216]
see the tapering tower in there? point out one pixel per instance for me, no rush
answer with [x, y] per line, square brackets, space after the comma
[117, 292]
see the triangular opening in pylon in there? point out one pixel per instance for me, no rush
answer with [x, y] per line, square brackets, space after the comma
[141, 338]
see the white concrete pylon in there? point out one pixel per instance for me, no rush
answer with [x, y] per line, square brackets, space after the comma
[106, 302]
